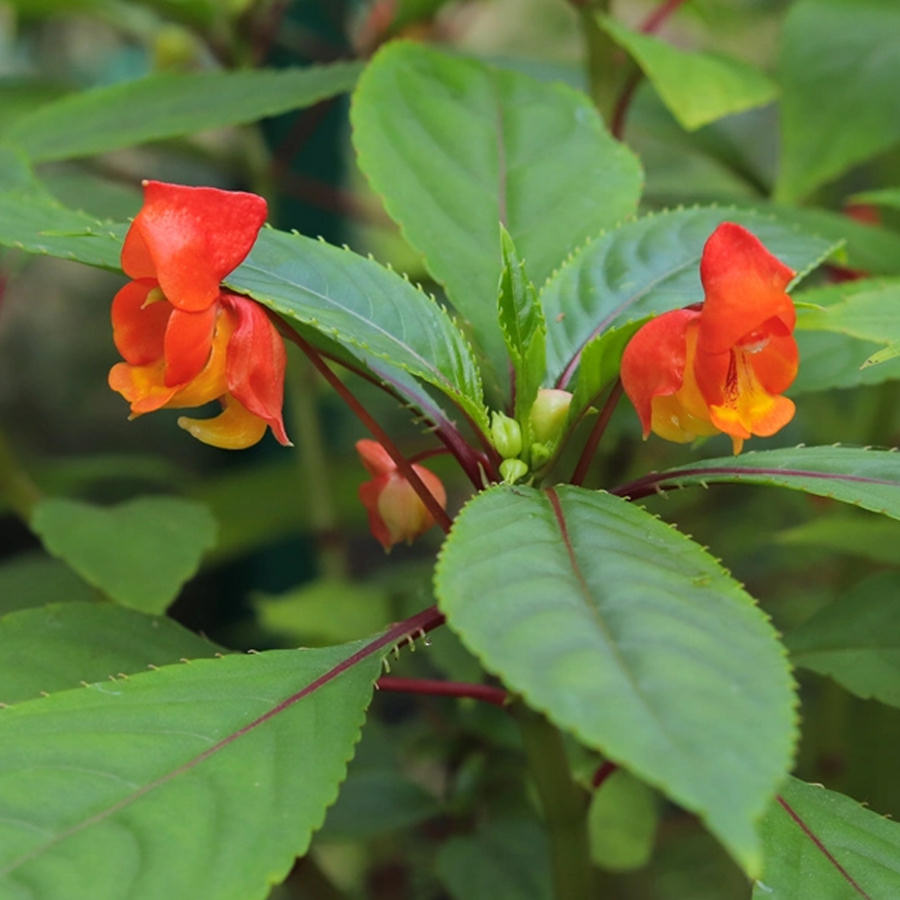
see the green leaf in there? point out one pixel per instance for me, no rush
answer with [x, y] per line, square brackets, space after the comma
[870, 310]
[834, 111]
[600, 362]
[889, 197]
[59, 646]
[631, 636]
[34, 579]
[622, 823]
[524, 329]
[836, 361]
[18, 97]
[697, 87]
[326, 611]
[855, 641]
[488, 146]
[200, 780]
[375, 802]
[170, 105]
[838, 850]
[866, 478]
[647, 267]
[34, 220]
[892, 351]
[856, 534]
[139, 553]
[505, 860]
[355, 301]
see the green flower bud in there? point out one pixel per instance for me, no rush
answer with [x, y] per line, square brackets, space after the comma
[512, 470]
[540, 454]
[548, 414]
[506, 435]
[174, 48]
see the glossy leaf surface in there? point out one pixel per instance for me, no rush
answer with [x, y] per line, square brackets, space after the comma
[855, 639]
[194, 780]
[831, 847]
[139, 553]
[59, 646]
[628, 634]
[866, 478]
[454, 147]
[830, 122]
[169, 105]
[355, 301]
[697, 87]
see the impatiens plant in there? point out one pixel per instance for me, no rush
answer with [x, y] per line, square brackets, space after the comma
[596, 706]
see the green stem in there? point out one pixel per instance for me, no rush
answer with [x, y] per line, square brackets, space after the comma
[313, 466]
[16, 486]
[565, 804]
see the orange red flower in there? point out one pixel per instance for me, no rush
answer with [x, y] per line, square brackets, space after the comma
[396, 512]
[722, 366]
[185, 341]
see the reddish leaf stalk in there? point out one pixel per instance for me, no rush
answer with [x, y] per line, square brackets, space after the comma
[469, 460]
[659, 15]
[603, 773]
[433, 687]
[403, 465]
[596, 434]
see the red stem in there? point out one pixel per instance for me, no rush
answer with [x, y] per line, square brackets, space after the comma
[403, 465]
[648, 26]
[443, 429]
[597, 431]
[659, 15]
[603, 773]
[430, 686]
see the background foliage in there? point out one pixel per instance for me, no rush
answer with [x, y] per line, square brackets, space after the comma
[146, 754]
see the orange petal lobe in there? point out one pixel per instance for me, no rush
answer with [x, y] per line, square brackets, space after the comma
[654, 360]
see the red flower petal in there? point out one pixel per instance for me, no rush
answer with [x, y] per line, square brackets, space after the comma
[375, 458]
[190, 238]
[138, 330]
[744, 286]
[653, 361]
[255, 363]
[777, 363]
[369, 492]
[188, 342]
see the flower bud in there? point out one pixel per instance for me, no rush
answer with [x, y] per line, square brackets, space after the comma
[511, 470]
[396, 512]
[506, 435]
[548, 414]
[540, 455]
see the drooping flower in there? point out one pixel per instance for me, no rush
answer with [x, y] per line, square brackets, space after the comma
[396, 512]
[184, 340]
[721, 366]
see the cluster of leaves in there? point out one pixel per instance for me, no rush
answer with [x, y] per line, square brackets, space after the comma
[208, 778]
